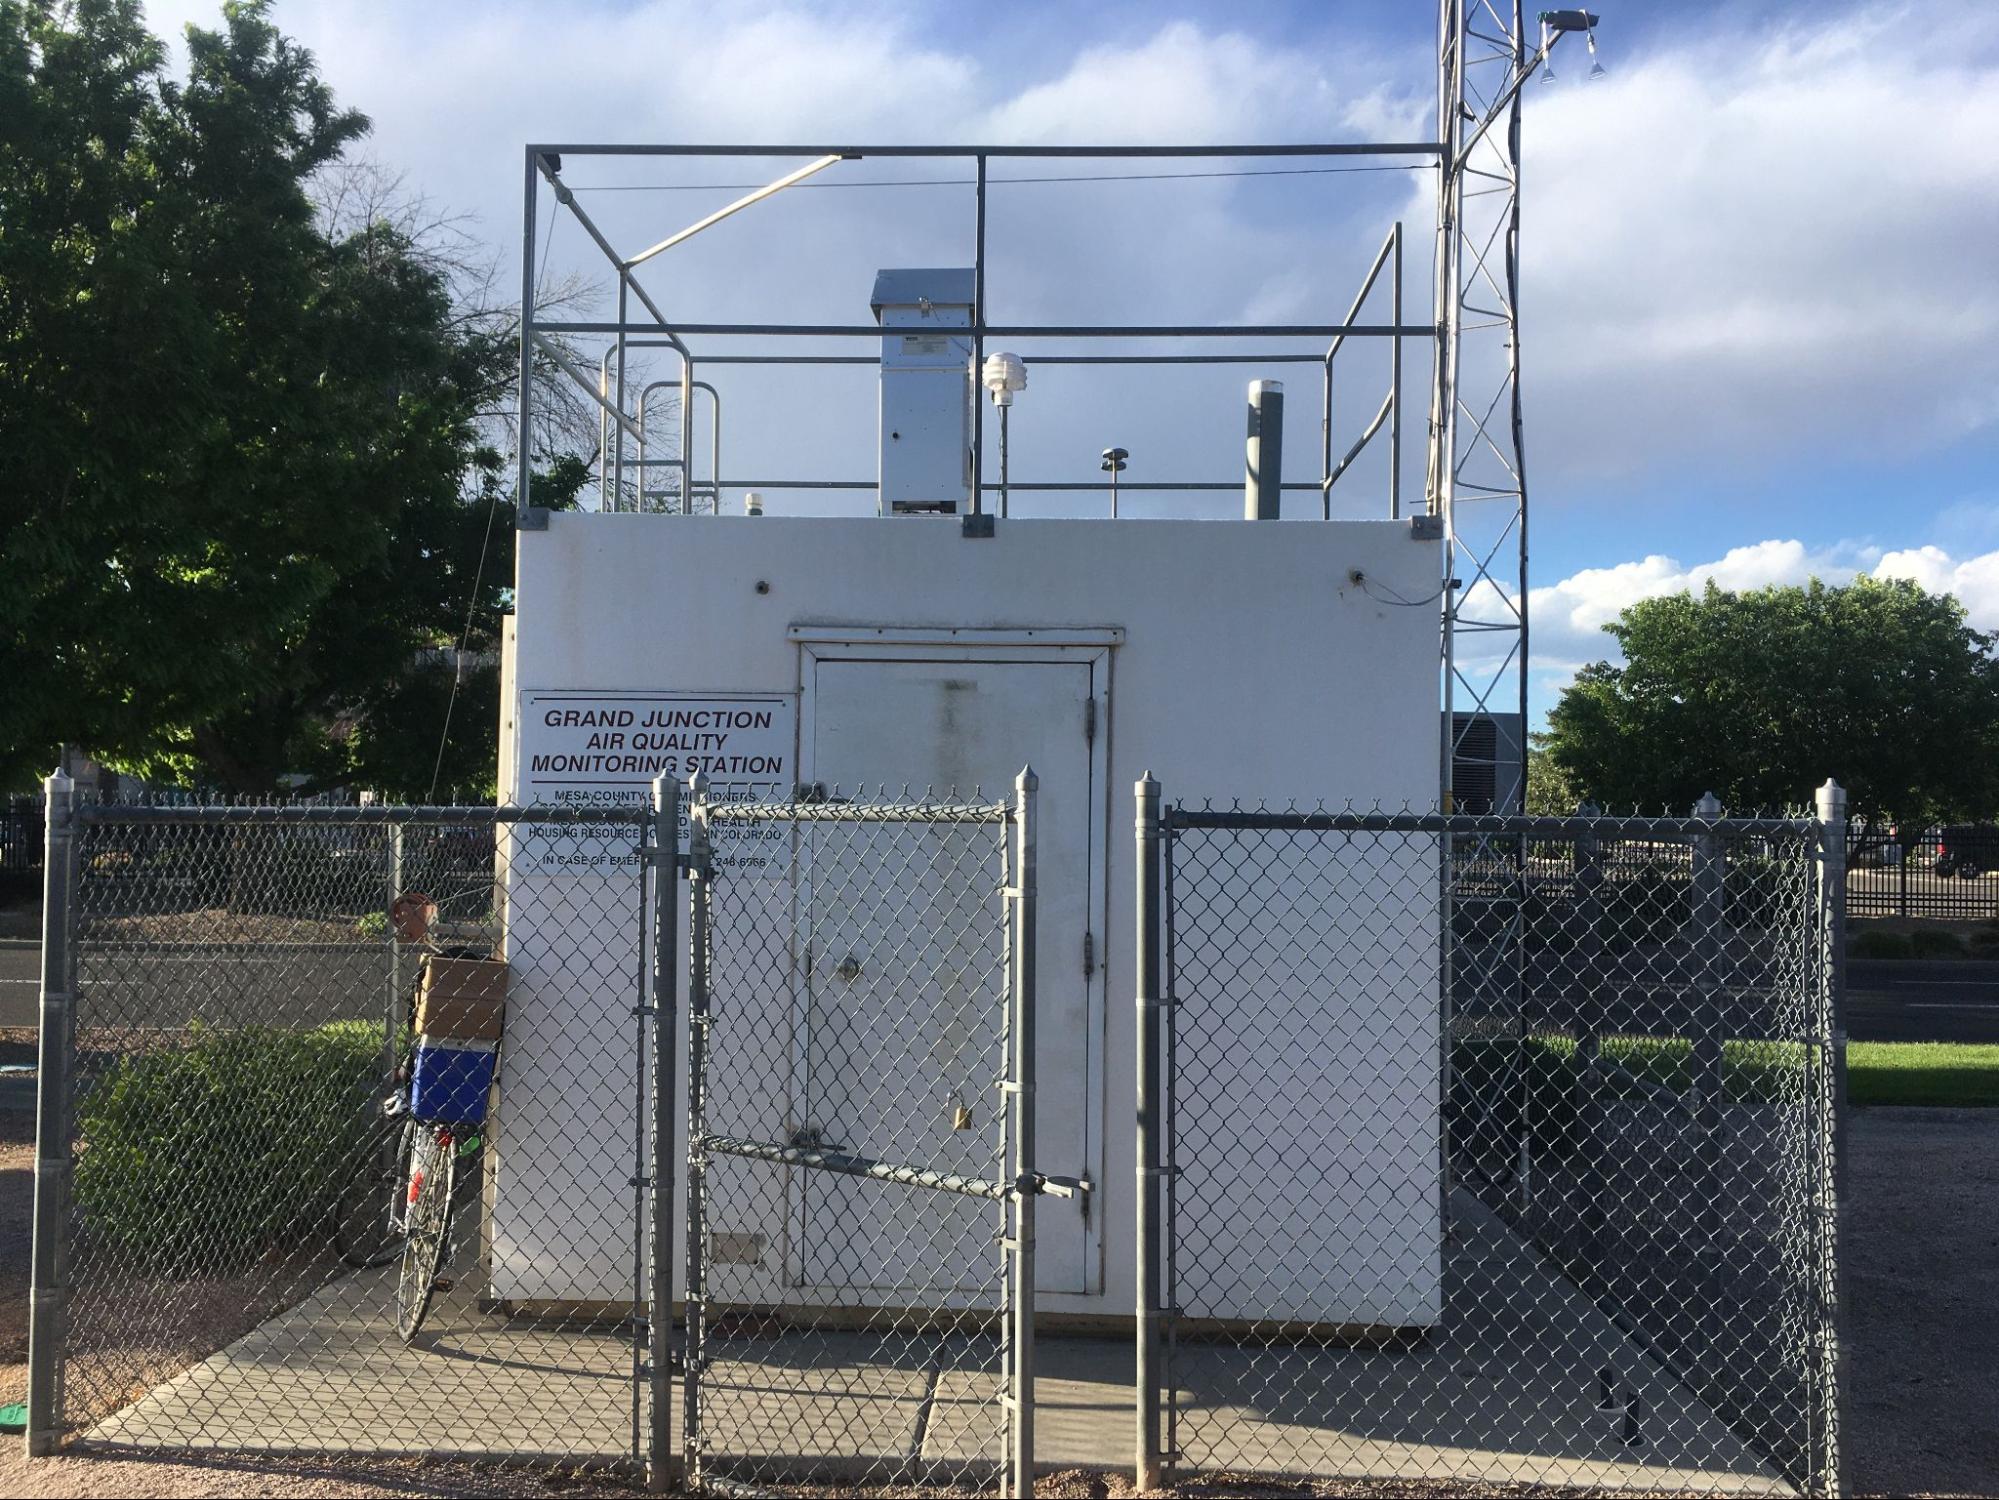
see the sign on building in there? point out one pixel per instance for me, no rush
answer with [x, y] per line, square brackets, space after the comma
[587, 749]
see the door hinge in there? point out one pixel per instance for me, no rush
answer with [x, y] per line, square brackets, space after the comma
[1089, 721]
[1089, 953]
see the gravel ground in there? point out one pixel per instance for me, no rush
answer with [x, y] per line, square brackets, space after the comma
[1922, 1266]
[1922, 1286]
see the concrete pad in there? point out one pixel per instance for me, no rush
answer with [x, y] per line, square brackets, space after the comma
[1504, 1391]
[804, 1402]
[331, 1376]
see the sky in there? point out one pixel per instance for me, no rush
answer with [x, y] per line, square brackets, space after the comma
[1760, 257]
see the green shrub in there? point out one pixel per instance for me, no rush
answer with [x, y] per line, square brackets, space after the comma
[373, 924]
[1926, 942]
[1871, 942]
[236, 1145]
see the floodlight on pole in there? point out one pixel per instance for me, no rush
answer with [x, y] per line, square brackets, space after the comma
[1553, 24]
[1003, 374]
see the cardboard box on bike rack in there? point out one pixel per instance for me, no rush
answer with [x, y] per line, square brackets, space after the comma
[462, 997]
[451, 1078]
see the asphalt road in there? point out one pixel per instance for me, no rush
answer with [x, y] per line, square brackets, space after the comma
[1915, 1000]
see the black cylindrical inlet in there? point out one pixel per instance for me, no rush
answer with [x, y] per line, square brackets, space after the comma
[1628, 1432]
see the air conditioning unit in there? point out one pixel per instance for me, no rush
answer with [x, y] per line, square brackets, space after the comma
[1488, 763]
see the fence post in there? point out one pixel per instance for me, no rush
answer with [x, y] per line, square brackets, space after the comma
[1020, 1456]
[664, 1179]
[391, 1021]
[1592, 984]
[1709, 873]
[1830, 1137]
[698, 876]
[1902, 865]
[48, 1296]
[1150, 1014]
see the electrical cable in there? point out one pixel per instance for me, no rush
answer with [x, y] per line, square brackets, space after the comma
[485, 546]
[1369, 585]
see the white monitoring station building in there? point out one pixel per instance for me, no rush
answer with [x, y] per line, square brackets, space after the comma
[940, 624]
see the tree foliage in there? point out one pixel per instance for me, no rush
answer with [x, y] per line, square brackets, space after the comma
[252, 481]
[1550, 793]
[1760, 696]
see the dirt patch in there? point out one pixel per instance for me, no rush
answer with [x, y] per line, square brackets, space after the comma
[17, 1202]
[136, 1477]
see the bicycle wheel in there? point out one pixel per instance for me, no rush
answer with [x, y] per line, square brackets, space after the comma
[427, 1224]
[368, 1224]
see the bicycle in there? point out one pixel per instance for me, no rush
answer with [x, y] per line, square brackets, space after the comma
[400, 1198]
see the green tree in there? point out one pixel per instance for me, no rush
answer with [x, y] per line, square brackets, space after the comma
[248, 442]
[1549, 792]
[1759, 696]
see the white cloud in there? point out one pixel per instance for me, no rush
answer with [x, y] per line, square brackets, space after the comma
[1568, 617]
[1767, 242]
[1975, 580]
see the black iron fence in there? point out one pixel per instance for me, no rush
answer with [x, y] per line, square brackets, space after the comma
[1940, 874]
[21, 836]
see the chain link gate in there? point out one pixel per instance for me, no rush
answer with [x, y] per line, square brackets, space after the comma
[1491, 1150]
[229, 992]
[860, 1244]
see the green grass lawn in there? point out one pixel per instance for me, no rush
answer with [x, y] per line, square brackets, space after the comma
[1950, 1074]
[1943, 1073]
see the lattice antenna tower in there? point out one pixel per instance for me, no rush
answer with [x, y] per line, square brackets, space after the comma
[1477, 472]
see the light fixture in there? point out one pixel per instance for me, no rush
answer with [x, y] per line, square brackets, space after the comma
[1595, 67]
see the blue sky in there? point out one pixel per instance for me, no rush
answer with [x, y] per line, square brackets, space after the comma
[1761, 257]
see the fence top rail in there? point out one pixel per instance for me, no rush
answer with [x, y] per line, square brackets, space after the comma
[1117, 152]
[278, 815]
[834, 811]
[1322, 820]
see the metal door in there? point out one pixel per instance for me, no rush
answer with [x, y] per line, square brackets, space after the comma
[949, 724]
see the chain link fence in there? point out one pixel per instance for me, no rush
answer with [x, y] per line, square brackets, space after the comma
[251, 1253]
[1571, 1227]
[860, 1205]
[1494, 1151]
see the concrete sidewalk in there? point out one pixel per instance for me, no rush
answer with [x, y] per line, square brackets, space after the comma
[1504, 1392]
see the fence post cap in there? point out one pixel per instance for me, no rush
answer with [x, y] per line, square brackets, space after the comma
[1709, 807]
[1831, 801]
